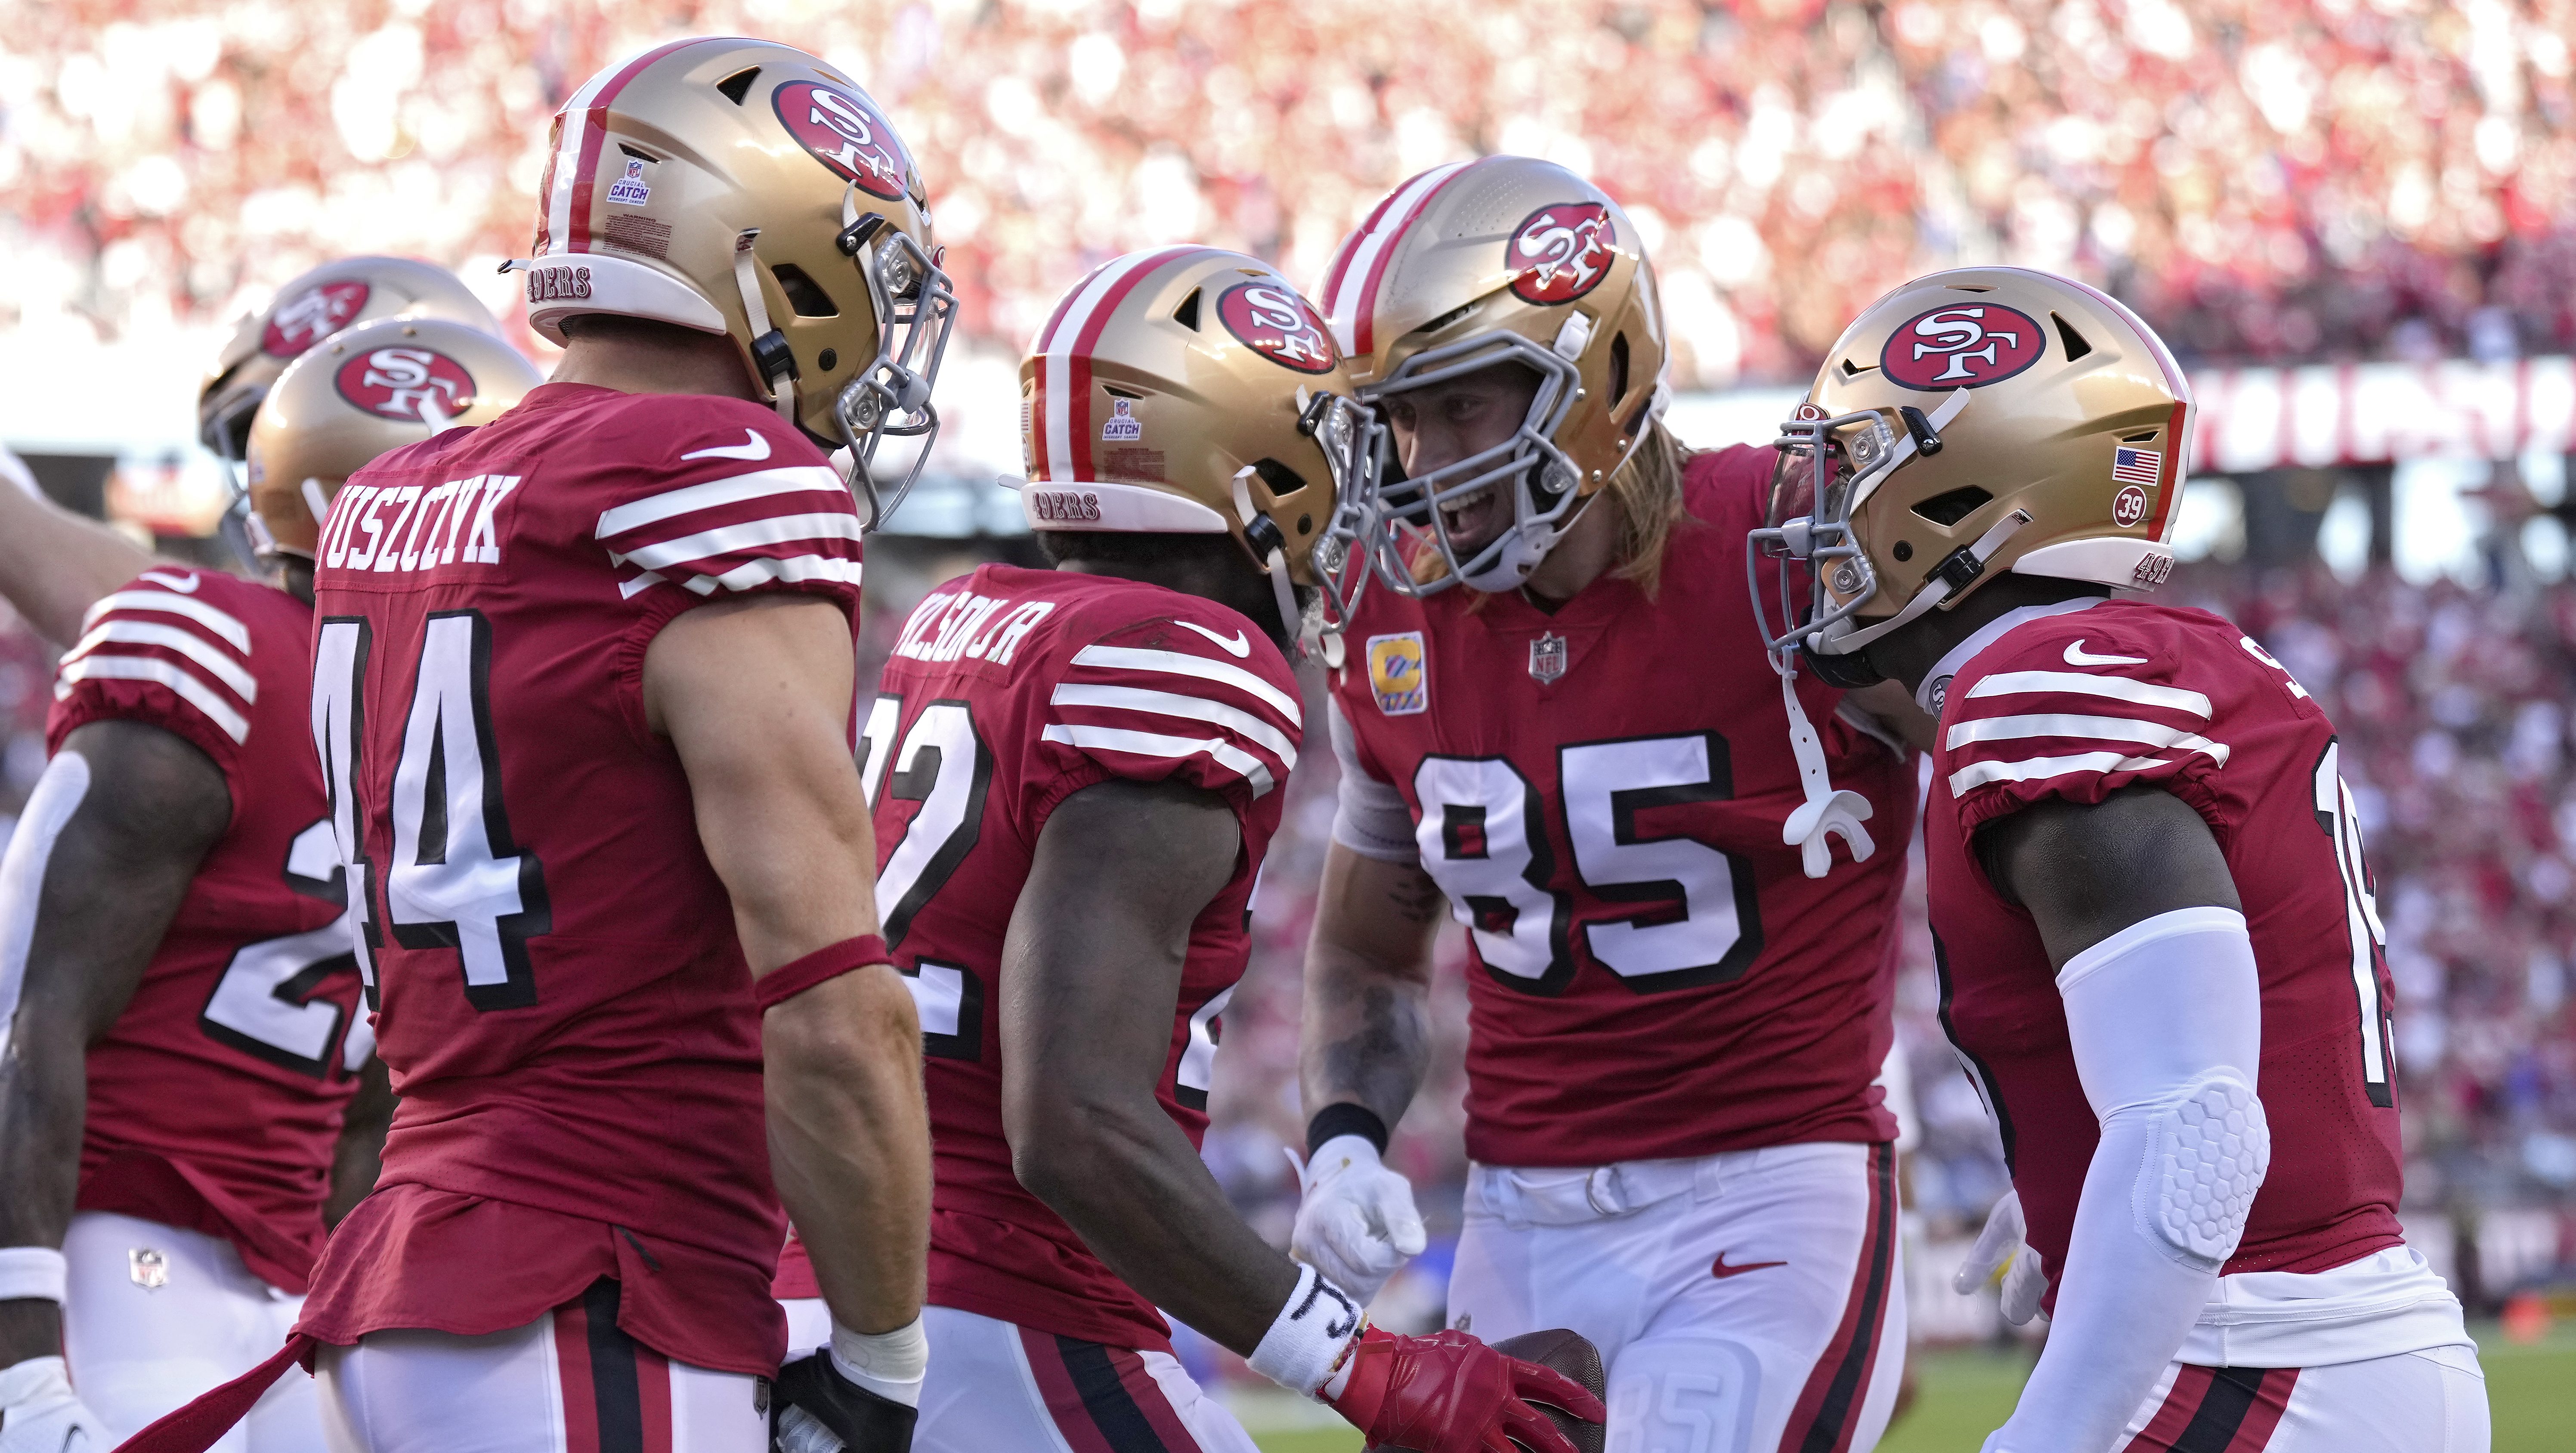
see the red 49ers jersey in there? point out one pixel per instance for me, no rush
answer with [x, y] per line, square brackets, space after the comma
[2083, 702]
[1010, 690]
[560, 992]
[1600, 792]
[215, 1099]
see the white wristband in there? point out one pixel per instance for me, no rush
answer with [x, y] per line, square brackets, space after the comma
[889, 1364]
[33, 1272]
[1305, 1344]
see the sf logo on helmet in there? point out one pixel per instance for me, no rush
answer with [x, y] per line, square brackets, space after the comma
[1561, 252]
[1961, 346]
[1277, 324]
[396, 383]
[846, 134]
[311, 316]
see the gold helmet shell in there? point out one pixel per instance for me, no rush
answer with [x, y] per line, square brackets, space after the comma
[358, 394]
[746, 189]
[1505, 259]
[1971, 421]
[307, 310]
[1189, 390]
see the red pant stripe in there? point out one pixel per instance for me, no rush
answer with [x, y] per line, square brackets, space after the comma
[1828, 1407]
[572, 1366]
[2271, 1400]
[2190, 1387]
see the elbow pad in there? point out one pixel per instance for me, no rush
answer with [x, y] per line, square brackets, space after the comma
[2208, 1148]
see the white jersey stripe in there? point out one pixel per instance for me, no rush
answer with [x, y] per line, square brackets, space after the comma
[791, 569]
[1166, 703]
[1136, 658]
[1347, 302]
[1155, 744]
[137, 668]
[750, 534]
[205, 653]
[2107, 728]
[714, 493]
[2039, 769]
[222, 623]
[2077, 683]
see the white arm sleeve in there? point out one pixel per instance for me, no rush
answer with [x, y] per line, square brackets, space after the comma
[2166, 1021]
[1369, 816]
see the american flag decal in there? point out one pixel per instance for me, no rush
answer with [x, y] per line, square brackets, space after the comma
[2136, 466]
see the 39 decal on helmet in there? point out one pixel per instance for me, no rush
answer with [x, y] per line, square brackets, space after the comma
[745, 188]
[1971, 421]
[1502, 260]
[331, 297]
[359, 394]
[1191, 390]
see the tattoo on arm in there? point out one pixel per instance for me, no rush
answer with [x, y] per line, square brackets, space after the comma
[1416, 898]
[1380, 1063]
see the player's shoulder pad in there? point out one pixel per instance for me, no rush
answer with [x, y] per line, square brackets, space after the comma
[183, 646]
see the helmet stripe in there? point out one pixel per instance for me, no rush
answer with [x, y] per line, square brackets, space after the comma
[1067, 370]
[2169, 481]
[584, 136]
[1351, 291]
[1041, 424]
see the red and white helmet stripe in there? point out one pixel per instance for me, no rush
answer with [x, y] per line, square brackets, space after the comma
[1350, 284]
[1060, 430]
[580, 134]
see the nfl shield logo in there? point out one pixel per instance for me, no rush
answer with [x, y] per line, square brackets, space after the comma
[149, 1268]
[1547, 658]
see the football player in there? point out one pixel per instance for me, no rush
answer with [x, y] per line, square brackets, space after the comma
[1558, 715]
[1075, 774]
[583, 696]
[2161, 960]
[177, 911]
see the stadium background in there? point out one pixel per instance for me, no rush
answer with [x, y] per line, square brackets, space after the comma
[2355, 220]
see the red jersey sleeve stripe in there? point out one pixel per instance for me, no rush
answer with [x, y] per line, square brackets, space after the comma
[186, 684]
[1177, 663]
[1172, 704]
[2102, 728]
[2078, 683]
[717, 493]
[223, 624]
[1156, 744]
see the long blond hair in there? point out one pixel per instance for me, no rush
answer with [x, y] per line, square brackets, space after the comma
[1647, 492]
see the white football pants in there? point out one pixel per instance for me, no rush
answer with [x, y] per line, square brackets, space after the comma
[156, 1315]
[2433, 1401]
[997, 1388]
[1751, 1300]
[568, 1382]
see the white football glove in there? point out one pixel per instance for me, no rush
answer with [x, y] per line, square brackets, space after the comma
[1356, 1223]
[1999, 1248]
[39, 1412]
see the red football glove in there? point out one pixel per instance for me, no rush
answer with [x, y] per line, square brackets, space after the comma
[1449, 1393]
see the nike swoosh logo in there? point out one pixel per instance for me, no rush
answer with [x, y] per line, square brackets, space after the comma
[1722, 1271]
[758, 448]
[2076, 655]
[184, 584]
[1238, 648]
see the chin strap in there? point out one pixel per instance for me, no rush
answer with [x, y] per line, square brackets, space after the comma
[769, 353]
[1954, 575]
[1291, 620]
[1827, 813]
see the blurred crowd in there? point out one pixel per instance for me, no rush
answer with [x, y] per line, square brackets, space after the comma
[2265, 179]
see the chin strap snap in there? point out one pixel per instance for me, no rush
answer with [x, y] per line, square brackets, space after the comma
[770, 355]
[1260, 532]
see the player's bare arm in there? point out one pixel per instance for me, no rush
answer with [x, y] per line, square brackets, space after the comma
[54, 565]
[2086, 872]
[359, 1154]
[90, 902]
[1365, 1039]
[1094, 959]
[754, 696]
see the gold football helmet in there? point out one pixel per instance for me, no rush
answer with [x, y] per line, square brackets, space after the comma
[1506, 259]
[314, 306]
[744, 188]
[1192, 391]
[1974, 420]
[360, 393]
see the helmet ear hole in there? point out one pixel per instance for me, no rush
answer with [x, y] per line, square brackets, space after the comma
[804, 294]
[1950, 508]
[1282, 480]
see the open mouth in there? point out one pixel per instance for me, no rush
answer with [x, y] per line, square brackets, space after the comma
[1472, 520]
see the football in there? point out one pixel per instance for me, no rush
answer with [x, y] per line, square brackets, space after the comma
[1568, 1352]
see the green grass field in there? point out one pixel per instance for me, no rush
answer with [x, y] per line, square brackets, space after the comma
[2531, 1391]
